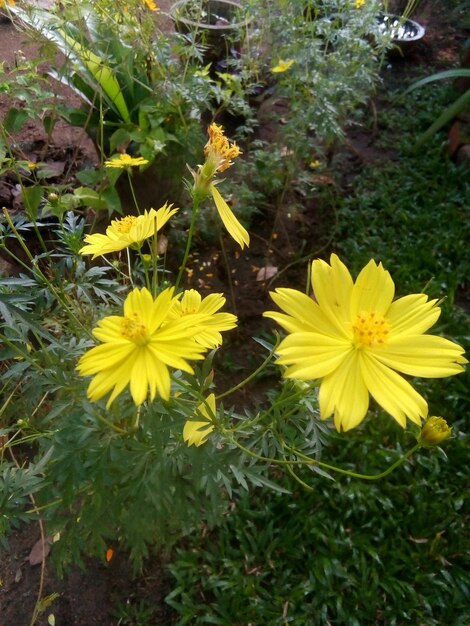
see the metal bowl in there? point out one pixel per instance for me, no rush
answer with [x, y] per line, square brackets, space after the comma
[401, 30]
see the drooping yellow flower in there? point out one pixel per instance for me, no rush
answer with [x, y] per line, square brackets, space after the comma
[435, 431]
[282, 66]
[195, 432]
[151, 5]
[139, 347]
[127, 231]
[208, 332]
[125, 161]
[218, 150]
[355, 338]
[219, 153]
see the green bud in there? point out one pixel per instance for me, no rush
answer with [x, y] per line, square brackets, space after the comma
[434, 431]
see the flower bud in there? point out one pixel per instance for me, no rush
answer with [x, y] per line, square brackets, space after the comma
[434, 431]
[53, 198]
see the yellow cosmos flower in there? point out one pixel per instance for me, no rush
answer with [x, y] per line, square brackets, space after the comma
[435, 431]
[282, 66]
[359, 3]
[139, 347]
[127, 231]
[10, 2]
[195, 432]
[355, 338]
[219, 153]
[151, 5]
[208, 333]
[125, 161]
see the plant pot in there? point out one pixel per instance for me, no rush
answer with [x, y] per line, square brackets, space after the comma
[218, 25]
[405, 33]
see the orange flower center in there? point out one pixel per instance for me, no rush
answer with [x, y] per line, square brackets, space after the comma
[134, 330]
[125, 224]
[370, 329]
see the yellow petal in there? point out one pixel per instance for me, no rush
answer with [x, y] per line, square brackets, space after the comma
[332, 286]
[392, 391]
[413, 314]
[196, 433]
[421, 355]
[345, 394]
[233, 226]
[373, 290]
[311, 355]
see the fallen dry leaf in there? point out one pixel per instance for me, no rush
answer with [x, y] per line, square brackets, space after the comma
[267, 272]
[39, 552]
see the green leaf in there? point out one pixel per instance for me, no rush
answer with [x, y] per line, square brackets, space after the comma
[32, 197]
[14, 120]
[89, 197]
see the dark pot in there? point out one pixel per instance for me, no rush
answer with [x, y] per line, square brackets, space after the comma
[215, 24]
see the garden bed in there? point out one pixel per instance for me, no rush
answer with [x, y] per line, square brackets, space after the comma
[282, 240]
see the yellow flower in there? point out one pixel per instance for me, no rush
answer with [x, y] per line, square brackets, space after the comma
[127, 231]
[434, 432]
[138, 348]
[151, 5]
[218, 150]
[356, 338]
[207, 333]
[196, 432]
[219, 153]
[282, 66]
[125, 161]
[359, 3]
[10, 2]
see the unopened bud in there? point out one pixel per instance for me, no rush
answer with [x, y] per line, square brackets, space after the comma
[434, 431]
[53, 198]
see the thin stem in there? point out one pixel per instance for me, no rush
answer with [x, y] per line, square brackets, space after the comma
[131, 187]
[251, 376]
[195, 211]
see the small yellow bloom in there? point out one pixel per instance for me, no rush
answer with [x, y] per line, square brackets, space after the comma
[282, 66]
[208, 333]
[151, 5]
[125, 161]
[32, 165]
[218, 150]
[434, 431]
[10, 2]
[196, 432]
[359, 3]
[138, 348]
[314, 164]
[219, 153]
[127, 231]
[357, 340]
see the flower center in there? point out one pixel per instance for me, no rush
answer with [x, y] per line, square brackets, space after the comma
[370, 329]
[134, 330]
[125, 224]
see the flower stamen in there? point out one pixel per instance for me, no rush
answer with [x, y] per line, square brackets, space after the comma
[370, 329]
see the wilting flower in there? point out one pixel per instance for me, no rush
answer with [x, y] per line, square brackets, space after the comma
[139, 347]
[195, 432]
[219, 153]
[127, 231]
[282, 66]
[125, 161]
[435, 431]
[208, 333]
[356, 338]
[151, 5]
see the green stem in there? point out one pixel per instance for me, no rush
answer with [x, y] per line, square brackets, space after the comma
[195, 211]
[305, 460]
[251, 376]
[131, 187]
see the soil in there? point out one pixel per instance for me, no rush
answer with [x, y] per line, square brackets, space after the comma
[89, 597]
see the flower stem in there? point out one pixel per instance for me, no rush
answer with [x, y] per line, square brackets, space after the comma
[195, 211]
